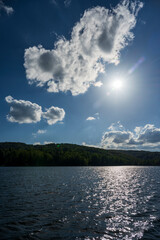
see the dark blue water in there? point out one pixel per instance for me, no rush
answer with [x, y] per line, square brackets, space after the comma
[80, 203]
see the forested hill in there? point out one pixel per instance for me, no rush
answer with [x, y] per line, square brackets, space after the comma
[20, 154]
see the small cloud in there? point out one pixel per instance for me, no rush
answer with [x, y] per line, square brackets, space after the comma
[7, 9]
[97, 115]
[54, 2]
[67, 3]
[36, 143]
[61, 123]
[91, 118]
[98, 84]
[54, 114]
[46, 142]
[41, 131]
[90, 145]
[22, 111]
[116, 127]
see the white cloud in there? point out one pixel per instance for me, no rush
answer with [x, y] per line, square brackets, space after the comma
[46, 142]
[140, 138]
[22, 111]
[96, 39]
[36, 143]
[98, 84]
[7, 9]
[116, 126]
[90, 145]
[149, 134]
[54, 114]
[91, 118]
[41, 131]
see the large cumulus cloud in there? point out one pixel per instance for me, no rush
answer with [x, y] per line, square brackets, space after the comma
[54, 114]
[22, 111]
[149, 134]
[144, 137]
[74, 65]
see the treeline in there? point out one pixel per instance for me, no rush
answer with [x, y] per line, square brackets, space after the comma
[20, 154]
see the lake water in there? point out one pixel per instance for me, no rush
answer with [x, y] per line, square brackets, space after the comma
[80, 203]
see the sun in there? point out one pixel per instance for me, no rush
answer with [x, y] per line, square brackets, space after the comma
[117, 84]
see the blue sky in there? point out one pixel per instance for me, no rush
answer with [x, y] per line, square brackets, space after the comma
[84, 72]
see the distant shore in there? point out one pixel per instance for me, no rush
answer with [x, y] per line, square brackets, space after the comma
[21, 154]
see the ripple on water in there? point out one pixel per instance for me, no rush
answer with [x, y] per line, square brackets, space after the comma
[80, 203]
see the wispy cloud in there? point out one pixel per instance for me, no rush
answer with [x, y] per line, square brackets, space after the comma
[7, 9]
[67, 3]
[91, 118]
[74, 65]
[39, 132]
[22, 111]
[54, 2]
[98, 84]
[142, 137]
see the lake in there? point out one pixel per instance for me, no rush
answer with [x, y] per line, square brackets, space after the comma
[80, 203]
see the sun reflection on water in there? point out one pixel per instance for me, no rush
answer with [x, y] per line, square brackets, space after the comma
[122, 203]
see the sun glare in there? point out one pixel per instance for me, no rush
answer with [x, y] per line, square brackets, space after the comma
[117, 85]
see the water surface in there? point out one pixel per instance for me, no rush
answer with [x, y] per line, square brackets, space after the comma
[80, 203]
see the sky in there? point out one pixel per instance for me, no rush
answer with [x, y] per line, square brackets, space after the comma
[80, 71]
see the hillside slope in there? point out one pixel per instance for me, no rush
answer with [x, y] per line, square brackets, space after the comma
[21, 154]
